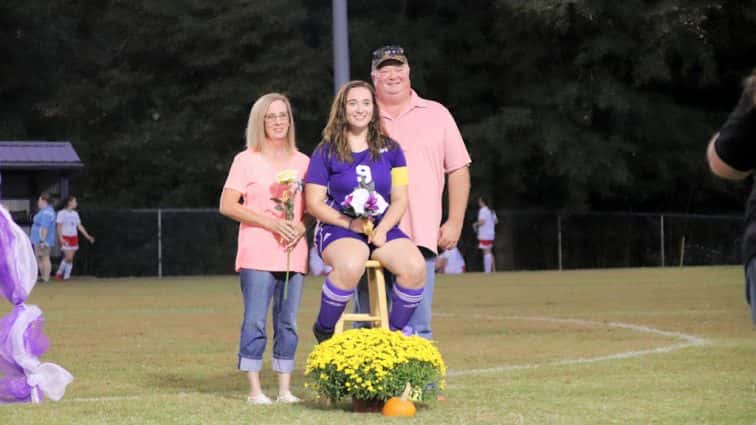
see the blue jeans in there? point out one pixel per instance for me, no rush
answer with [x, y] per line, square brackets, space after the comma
[258, 288]
[421, 318]
[751, 287]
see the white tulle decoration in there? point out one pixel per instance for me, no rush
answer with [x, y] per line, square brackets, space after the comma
[18, 275]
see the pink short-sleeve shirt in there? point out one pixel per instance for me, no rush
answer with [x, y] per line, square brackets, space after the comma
[433, 147]
[255, 179]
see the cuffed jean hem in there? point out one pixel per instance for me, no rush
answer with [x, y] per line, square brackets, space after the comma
[250, 365]
[283, 365]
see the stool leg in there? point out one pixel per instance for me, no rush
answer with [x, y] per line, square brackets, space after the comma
[380, 298]
[339, 328]
[373, 296]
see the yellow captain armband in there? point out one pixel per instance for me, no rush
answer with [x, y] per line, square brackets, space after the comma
[399, 176]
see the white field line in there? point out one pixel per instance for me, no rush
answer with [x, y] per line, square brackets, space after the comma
[138, 397]
[688, 341]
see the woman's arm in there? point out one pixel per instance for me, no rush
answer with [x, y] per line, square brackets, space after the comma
[396, 209]
[302, 226]
[42, 235]
[481, 220]
[84, 232]
[315, 197]
[231, 208]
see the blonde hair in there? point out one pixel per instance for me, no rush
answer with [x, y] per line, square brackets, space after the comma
[335, 132]
[256, 124]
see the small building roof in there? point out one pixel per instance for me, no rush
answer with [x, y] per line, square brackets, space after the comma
[33, 155]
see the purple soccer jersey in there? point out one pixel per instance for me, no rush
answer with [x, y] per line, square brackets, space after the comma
[341, 178]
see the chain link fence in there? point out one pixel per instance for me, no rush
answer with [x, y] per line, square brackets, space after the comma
[170, 242]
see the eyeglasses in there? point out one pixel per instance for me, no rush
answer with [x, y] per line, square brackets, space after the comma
[388, 51]
[283, 116]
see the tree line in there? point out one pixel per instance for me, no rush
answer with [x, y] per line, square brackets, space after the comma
[573, 105]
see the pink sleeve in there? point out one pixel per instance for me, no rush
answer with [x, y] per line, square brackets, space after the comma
[238, 178]
[455, 151]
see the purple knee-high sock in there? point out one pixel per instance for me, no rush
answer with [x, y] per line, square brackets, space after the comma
[332, 303]
[403, 304]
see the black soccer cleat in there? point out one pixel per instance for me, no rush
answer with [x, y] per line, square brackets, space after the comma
[320, 334]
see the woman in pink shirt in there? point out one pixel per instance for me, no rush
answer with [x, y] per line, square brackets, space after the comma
[267, 177]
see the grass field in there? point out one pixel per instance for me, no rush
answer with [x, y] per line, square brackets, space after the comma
[620, 346]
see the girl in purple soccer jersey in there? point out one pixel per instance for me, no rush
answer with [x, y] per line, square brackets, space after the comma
[356, 152]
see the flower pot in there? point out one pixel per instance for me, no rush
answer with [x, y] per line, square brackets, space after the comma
[366, 406]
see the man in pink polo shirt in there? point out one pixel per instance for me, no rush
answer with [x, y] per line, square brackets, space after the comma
[435, 151]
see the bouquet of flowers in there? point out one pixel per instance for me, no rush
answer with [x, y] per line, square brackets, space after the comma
[289, 186]
[375, 364]
[364, 202]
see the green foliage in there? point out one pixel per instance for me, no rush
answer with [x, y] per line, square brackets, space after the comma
[618, 96]
[156, 94]
[375, 364]
[582, 104]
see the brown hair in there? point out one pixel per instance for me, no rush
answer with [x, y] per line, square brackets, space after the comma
[67, 201]
[335, 131]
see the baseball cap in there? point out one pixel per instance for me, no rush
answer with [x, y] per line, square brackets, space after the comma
[387, 53]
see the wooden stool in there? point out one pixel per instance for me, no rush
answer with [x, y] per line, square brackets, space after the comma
[378, 308]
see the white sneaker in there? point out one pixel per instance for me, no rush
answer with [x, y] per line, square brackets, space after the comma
[260, 399]
[288, 398]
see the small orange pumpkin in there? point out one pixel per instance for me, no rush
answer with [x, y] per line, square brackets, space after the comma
[400, 406]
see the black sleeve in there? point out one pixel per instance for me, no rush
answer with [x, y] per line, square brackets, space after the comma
[736, 144]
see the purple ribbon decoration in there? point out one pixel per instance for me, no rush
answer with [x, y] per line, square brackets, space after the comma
[23, 378]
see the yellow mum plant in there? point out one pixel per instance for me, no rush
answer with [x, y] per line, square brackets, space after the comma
[375, 364]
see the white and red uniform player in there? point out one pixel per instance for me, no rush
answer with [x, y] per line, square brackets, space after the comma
[486, 229]
[69, 225]
[69, 229]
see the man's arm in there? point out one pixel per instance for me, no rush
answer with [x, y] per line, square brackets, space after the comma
[731, 152]
[719, 167]
[459, 192]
